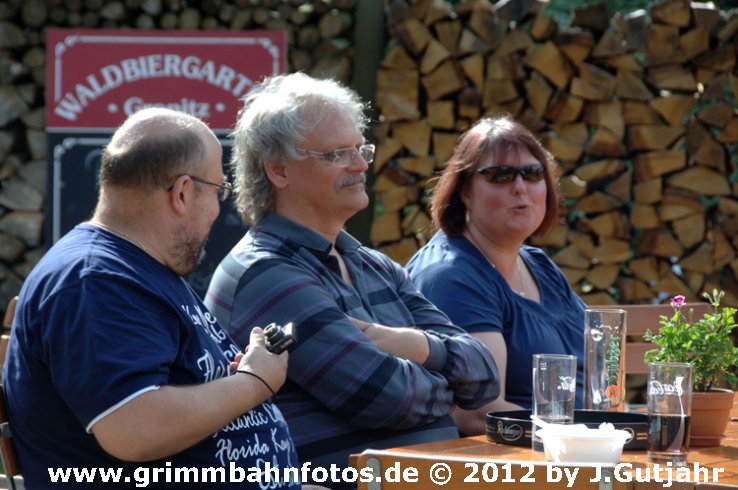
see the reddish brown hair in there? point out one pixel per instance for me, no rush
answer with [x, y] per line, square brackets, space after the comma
[490, 138]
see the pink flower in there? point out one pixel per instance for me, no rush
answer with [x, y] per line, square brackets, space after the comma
[678, 301]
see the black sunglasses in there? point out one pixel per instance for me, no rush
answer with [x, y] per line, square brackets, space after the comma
[504, 174]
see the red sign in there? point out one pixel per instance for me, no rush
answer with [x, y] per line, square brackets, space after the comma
[97, 78]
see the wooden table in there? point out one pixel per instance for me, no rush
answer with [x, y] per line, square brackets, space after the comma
[518, 467]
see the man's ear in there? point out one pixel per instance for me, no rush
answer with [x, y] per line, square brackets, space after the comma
[277, 173]
[180, 194]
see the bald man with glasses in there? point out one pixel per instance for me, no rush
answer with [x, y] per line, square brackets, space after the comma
[114, 362]
[375, 364]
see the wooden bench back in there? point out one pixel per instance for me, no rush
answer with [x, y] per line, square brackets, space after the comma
[7, 451]
[641, 318]
[7, 325]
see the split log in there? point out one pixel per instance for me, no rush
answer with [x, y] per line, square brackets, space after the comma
[717, 114]
[550, 63]
[650, 137]
[677, 204]
[639, 113]
[603, 169]
[572, 187]
[644, 216]
[434, 55]
[413, 35]
[441, 114]
[386, 228]
[612, 224]
[675, 12]
[543, 27]
[662, 45]
[701, 180]
[689, 230]
[656, 163]
[645, 268]
[729, 134]
[634, 291]
[701, 260]
[470, 103]
[388, 149]
[563, 150]
[514, 42]
[593, 17]
[648, 192]
[397, 198]
[674, 108]
[397, 94]
[660, 243]
[605, 143]
[724, 251]
[538, 92]
[443, 147]
[597, 202]
[603, 276]
[622, 186]
[669, 281]
[575, 44]
[564, 107]
[611, 251]
[672, 77]
[630, 86]
[694, 42]
[608, 115]
[473, 67]
[571, 257]
[448, 34]
[703, 149]
[470, 43]
[706, 15]
[414, 135]
[445, 79]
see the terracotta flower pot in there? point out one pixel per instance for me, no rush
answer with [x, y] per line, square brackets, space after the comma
[710, 415]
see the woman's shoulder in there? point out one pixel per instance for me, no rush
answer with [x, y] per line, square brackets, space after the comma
[442, 252]
[538, 257]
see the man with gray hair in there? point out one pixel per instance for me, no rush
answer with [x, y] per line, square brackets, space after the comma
[375, 365]
[114, 362]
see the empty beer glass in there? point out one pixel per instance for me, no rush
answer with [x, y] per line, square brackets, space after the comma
[554, 390]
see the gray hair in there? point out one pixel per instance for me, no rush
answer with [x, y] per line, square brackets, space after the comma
[151, 147]
[276, 116]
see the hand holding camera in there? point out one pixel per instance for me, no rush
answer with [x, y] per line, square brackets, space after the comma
[278, 339]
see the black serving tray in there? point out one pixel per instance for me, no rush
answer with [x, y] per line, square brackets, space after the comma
[514, 426]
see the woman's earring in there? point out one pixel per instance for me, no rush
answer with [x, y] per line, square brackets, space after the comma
[467, 216]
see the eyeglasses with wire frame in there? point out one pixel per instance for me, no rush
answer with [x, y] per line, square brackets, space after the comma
[341, 157]
[504, 174]
[224, 191]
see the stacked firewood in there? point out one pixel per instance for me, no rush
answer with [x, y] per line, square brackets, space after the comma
[639, 110]
[318, 36]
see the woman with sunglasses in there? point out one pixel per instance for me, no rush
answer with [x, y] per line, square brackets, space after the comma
[497, 190]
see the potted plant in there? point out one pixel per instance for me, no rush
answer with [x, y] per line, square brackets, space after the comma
[707, 344]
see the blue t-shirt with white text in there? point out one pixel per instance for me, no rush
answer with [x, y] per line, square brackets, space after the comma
[99, 323]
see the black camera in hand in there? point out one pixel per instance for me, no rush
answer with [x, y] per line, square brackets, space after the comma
[278, 339]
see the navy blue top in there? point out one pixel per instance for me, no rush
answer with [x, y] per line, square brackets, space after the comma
[100, 322]
[456, 277]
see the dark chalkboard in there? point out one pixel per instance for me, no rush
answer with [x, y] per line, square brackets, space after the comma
[72, 194]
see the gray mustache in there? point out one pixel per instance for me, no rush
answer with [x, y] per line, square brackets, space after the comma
[350, 180]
